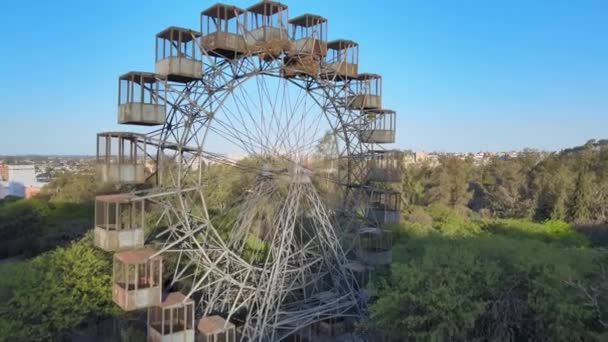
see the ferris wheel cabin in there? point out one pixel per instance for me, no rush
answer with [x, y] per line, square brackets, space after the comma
[178, 55]
[172, 320]
[121, 157]
[360, 271]
[375, 246]
[216, 329]
[342, 60]
[267, 34]
[367, 89]
[309, 47]
[378, 126]
[119, 222]
[385, 206]
[384, 166]
[309, 35]
[137, 279]
[223, 28]
[141, 99]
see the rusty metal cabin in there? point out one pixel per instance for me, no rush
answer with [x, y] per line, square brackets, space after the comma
[367, 92]
[375, 246]
[309, 36]
[309, 46]
[119, 222]
[141, 99]
[172, 320]
[267, 34]
[378, 126]
[121, 157]
[342, 60]
[384, 166]
[137, 279]
[223, 31]
[178, 57]
[215, 329]
[360, 271]
[384, 207]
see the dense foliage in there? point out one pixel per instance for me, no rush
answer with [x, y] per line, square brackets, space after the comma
[457, 278]
[60, 214]
[48, 296]
[571, 185]
[486, 252]
[29, 227]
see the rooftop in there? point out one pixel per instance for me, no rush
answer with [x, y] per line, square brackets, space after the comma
[267, 7]
[356, 266]
[122, 135]
[370, 230]
[307, 20]
[385, 152]
[139, 76]
[380, 111]
[341, 44]
[368, 76]
[213, 324]
[175, 299]
[136, 256]
[177, 33]
[115, 198]
[223, 11]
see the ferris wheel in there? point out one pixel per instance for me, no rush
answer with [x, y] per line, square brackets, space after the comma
[265, 109]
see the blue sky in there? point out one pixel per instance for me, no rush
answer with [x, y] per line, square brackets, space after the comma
[462, 75]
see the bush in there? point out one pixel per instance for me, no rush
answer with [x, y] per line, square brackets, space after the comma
[55, 292]
[552, 231]
[36, 225]
[459, 279]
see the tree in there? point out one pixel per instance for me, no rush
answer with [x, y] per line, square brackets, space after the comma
[581, 198]
[503, 283]
[57, 291]
[72, 188]
[449, 182]
[505, 187]
[413, 181]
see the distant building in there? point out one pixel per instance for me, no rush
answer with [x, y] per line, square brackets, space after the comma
[420, 157]
[19, 181]
[32, 191]
[44, 177]
[3, 172]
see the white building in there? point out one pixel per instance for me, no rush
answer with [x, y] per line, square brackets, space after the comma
[20, 178]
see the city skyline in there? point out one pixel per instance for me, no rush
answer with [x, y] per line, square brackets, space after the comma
[462, 77]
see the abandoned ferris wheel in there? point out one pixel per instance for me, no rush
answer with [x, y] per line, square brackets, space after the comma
[288, 112]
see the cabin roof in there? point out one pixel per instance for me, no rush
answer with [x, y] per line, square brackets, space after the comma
[136, 76]
[370, 230]
[380, 111]
[385, 152]
[307, 20]
[341, 44]
[356, 266]
[135, 256]
[115, 198]
[213, 324]
[121, 135]
[326, 296]
[267, 7]
[368, 76]
[176, 33]
[223, 11]
[379, 191]
[175, 299]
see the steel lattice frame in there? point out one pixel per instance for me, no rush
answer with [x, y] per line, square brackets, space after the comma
[302, 279]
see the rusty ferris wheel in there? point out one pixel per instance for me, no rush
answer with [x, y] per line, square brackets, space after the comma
[290, 256]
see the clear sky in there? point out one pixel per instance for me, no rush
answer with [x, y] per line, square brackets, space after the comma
[462, 75]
